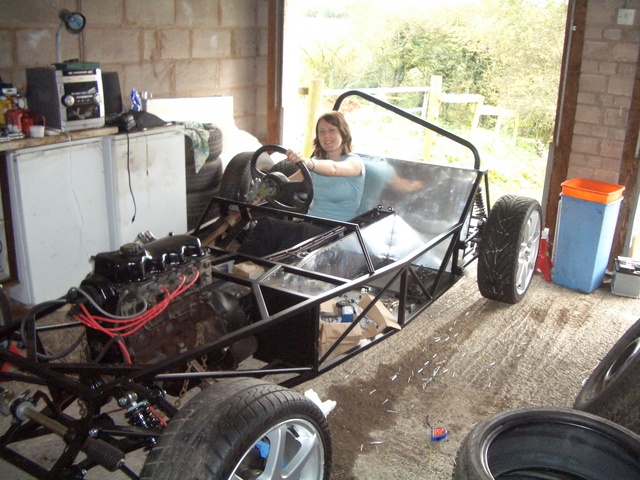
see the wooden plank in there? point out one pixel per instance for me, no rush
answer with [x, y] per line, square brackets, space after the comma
[461, 98]
[313, 105]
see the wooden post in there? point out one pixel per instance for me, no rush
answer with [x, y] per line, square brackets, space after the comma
[313, 104]
[433, 113]
[476, 115]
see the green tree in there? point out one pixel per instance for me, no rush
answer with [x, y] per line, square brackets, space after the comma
[509, 51]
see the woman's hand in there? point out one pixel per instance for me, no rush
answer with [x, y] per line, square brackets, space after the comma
[295, 157]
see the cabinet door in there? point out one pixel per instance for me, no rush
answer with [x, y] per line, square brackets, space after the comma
[59, 211]
[146, 188]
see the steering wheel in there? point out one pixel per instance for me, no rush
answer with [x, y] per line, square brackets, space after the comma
[278, 190]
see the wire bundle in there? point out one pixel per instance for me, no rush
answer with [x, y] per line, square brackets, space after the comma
[126, 326]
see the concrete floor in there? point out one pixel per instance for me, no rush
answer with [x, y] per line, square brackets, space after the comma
[462, 360]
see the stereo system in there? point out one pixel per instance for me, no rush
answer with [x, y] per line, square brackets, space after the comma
[68, 95]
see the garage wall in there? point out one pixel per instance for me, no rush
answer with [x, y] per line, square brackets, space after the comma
[170, 48]
[607, 74]
[598, 113]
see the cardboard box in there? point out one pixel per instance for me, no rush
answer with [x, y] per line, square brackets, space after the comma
[377, 319]
[330, 308]
[330, 332]
[247, 270]
[380, 318]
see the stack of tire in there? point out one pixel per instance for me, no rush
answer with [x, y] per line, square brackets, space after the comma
[205, 183]
[598, 439]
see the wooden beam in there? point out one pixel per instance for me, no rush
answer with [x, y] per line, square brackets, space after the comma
[628, 172]
[566, 108]
[274, 71]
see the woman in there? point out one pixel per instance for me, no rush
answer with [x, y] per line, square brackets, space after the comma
[338, 182]
[338, 175]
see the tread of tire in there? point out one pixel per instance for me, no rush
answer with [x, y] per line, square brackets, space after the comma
[497, 262]
[240, 400]
[207, 178]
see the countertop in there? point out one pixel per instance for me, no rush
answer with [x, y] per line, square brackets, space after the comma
[62, 137]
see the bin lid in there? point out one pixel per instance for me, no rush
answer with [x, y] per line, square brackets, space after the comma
[592, 190]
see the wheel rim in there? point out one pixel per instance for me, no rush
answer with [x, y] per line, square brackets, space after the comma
[292, 449]
[528, 254]
[620, 363]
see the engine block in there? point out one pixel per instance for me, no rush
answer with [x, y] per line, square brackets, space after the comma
[154, 301]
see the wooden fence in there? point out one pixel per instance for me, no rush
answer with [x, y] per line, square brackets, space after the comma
[432, 100]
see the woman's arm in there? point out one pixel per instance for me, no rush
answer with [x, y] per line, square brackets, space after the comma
[350, 167]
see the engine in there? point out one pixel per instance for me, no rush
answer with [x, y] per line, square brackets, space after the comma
[146, 303]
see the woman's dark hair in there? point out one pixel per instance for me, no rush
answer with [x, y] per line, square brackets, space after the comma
[337, 120]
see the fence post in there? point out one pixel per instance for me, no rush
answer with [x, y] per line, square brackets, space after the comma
[476, 116]
[313, 104]
[433, 113]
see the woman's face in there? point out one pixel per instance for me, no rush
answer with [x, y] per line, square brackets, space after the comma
[330, 139]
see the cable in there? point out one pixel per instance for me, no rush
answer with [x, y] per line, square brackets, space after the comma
[110, 315]
[125, 327]
[23, 333]
[133, 197]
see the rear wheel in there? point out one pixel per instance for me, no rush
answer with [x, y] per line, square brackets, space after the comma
[243, 429]
[613, 389]
[550, 444]
[509, 248]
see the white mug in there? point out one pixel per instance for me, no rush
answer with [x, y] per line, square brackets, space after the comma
[36, 131]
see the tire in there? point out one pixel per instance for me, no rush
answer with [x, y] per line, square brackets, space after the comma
[509, 248]
[215, 145]
[285, 167]
[207, 178]
[196, 203]
[215, 140]
[548, 443]
[223, 432]
[613, 389]
[236, 179]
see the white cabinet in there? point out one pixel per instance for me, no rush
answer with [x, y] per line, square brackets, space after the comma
[59, 212]
[146, 189]
[74, 199]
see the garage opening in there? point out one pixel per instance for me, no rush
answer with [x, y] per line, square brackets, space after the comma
[487, 71]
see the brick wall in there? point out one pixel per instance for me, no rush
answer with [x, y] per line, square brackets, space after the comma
[610, 59]
[170, 48]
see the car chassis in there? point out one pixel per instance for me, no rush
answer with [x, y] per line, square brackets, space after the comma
[404, 250]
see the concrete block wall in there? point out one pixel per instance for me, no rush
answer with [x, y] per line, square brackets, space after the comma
[170, 48]
[610, 60]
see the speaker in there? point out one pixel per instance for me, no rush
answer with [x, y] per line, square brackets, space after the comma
[112, 94]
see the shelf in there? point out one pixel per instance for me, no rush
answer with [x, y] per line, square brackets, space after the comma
[52, 139]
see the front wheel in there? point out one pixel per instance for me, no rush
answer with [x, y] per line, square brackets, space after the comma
[509, 248]
[243, 429]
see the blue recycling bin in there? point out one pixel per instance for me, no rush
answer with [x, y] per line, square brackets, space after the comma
[587, 221]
